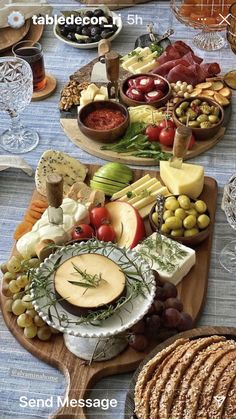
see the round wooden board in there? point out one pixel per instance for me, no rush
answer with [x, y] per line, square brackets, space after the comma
[80, 377]
[49, 89]
[229, 332]
[10, 36]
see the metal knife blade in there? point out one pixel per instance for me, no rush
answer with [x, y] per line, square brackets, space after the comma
[54, 190]
[99, 73]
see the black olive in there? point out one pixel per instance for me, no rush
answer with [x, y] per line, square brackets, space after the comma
[96, 38]
[106, 33]
[88, 41]
[95, 31]
[67, 27]
[79, 29]
[72, 27]
[64, 31]
[71, 36]
[110, 20]
[89, 13]
[85, 31]
[98, 13]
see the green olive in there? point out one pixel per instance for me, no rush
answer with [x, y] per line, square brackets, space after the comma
[177, 233]
[215, 110]
[194, 124]
[202, 118]
[192, 115]
[213, 119]
[192, 211]
[167, 214]
[155, 218]
[172, 204]
[190, 222]
[184, 105]
[165, 229]
[183, 119]
[203, 221]
[195, 102]
[206, 109]
[200, 206]
[204, 103]
[184, 202]
[191, 232]
[179, 112]
[173, 223]
[180, 213]
[206, 124]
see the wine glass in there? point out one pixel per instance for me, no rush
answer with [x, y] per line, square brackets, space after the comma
[228, 254]
[230, 78]
[16, 89]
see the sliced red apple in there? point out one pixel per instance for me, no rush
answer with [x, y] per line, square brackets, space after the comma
[127, 223]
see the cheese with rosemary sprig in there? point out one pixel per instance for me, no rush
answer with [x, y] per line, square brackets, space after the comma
[170, 259]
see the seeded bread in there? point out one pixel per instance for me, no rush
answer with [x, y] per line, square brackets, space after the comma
[230, 403]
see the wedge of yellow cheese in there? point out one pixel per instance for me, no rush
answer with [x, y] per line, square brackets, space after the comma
[189, 180]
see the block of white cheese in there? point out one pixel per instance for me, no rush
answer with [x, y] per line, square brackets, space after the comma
[189, 180]
[74, 214]
[170, 259]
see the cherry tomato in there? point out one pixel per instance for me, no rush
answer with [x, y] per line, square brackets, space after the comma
[153, 132]
[167, 136]
[99, 216]
[167, 123]
[106, 233]
[83, 231]
[191, 142]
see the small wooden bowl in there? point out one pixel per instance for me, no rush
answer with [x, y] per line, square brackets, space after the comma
[186, 241]
[103, 136]
[201, 134]
[130, 102]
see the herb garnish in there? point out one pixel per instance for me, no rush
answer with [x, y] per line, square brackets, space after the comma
[89, 280]
[133, 53]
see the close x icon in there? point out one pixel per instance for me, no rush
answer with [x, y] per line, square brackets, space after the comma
[225, 19]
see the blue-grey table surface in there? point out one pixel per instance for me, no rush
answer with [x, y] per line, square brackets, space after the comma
[21, 374]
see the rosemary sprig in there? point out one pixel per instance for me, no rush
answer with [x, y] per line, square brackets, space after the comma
[90, 281]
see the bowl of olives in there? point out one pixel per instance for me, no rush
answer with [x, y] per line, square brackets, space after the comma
[89, 26]
[184, 220]
[204, 116]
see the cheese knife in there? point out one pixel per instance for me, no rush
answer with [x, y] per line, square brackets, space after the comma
[112, 60]
[99, 74]
[54, 191]
[180, 146]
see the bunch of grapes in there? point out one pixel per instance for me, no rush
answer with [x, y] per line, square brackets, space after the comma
[165, 315]
[16, 287]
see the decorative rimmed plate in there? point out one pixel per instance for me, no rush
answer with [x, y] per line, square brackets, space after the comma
[140, 290]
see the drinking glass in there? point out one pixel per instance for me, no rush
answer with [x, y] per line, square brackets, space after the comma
[230, 78]
[16, 89]
[228, 254]
[32, 52]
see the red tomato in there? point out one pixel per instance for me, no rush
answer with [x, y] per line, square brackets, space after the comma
[167, 136]
[106, 233]
[167, 123]
[99, 216]
[153, 132]
[191, 142]
[83, 231]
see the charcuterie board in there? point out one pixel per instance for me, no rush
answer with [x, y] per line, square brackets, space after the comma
[70, 126]
[81, 376]
[206, 331]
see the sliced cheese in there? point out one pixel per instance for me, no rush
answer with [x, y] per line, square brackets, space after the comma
[92, 90]
[152, 189]
[109, 288]
[143, 62]
[189, 180]
[139, 190]
[99, 96]
[170, 259]
[103, 91]
[146, 68]
[131, 60]
[151, 198]
[130, 188]
[127, 56]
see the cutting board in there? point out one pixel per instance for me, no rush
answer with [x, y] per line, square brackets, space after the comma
[10, 36]
[81, 377]
[69, 124]
[229, 332]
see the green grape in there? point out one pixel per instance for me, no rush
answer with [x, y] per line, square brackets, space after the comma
[30, 332]
[38, 321]
[14, 264]
[18, 295]
[17, 307]
[24, 320]
[22, 281]
[31, 312]
[27, 301]
[8, 305]
[13, 286]
[34, 263]
[44, 333]
[27, 287]
[4, 268]
[5, 290]
[8, 277]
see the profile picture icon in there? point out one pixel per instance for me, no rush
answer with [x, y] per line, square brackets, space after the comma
[16, 19]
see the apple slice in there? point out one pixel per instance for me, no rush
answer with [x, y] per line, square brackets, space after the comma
[127, 223]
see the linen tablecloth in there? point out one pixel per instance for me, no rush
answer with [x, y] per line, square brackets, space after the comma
[21, 374]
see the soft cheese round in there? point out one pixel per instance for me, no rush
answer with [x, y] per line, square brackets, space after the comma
[109, 289]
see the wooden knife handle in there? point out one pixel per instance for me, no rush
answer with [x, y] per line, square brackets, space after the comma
[112, 66]
[104, 46]
[54, 190]
[181, 141]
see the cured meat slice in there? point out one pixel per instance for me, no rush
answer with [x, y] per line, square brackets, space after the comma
[180, 72]
[230, 404]
[169, 54]
[148, 370]
[160, 394]
[210, 69]
[182, 48]
[186, 60]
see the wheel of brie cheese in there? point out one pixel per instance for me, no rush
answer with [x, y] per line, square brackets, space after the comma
[88, 282]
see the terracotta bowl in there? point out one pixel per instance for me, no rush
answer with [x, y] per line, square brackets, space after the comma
[187, 241]
[201, 134]
[103, 136]
[130, 102]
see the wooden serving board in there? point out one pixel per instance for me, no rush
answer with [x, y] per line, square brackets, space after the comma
[229, 332]
[10, 36]
[70, 126]
[81, 377]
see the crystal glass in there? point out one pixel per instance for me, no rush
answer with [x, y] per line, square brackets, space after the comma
[16, 89]
[230, 78]
[228, 254]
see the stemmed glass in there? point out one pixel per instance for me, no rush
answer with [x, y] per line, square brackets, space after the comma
[230, 78]
[228, 254]
[16, 89]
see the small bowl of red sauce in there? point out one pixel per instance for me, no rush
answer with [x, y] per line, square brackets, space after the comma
[103, 121]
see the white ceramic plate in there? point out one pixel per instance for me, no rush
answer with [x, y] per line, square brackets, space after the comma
[129, 314]
[92, 45]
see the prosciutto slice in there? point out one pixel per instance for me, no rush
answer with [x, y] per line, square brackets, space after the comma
[186, 60]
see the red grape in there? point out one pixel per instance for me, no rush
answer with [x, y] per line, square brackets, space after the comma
[174, 303]
[170, 290]
[186, 322]
[160, 294]
[158, 279]
[171, 317]
[153, 324]
[159, 306]
[138, 342]
[139, 327]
